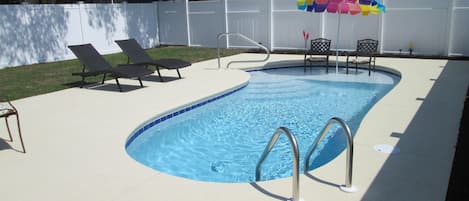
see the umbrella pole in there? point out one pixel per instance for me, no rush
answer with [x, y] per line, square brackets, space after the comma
[337, 43]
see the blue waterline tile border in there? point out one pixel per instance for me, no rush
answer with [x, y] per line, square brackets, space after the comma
[175, 114]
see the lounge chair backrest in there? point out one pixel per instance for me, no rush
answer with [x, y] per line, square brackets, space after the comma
[134, 51]
[90, 57]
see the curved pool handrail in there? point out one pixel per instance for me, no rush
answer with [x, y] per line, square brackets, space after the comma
[246, 38]
[296, 159]
[348, 134]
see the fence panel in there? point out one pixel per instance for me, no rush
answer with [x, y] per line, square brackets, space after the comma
[460, 32]
[41, 33]
[250, 18]
[172, 16]
[142, 23]
[426, 28]
[35, 33]
[102, 24]
[289, 24]
[352, 28]
[207, 20]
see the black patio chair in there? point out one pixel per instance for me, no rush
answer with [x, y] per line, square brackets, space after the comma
[6, 110]
[365, 48]
[94, 64]
[319, 46]
[137, 55]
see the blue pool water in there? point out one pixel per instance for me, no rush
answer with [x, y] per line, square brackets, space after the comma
[222, 140]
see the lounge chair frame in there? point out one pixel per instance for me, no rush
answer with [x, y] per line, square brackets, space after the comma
[94, 64]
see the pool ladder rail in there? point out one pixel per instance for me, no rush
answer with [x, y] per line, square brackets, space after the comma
[296, 159]
[296, 155]
[245, 38]
[348, 187]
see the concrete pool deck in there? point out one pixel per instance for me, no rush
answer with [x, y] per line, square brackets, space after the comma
[75, 140]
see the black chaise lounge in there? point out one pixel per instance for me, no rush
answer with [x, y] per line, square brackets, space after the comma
[137, 55]
[94, 65]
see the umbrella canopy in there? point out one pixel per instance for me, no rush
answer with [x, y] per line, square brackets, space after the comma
[352, 7]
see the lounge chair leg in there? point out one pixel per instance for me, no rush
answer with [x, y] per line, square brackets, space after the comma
[82, 81]
[104, 78]
[8, 128]
[140, 80]
[118, 85]
[179, 74]
[159, 74]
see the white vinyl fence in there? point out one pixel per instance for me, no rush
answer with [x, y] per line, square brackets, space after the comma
[41, 33]
[434, 27]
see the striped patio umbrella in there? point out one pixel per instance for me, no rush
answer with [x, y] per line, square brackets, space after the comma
[352, 7]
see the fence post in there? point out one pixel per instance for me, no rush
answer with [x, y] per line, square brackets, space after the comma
[80, 6]
[449, 28]
[271, 24]
[188, 24]
[227, 29]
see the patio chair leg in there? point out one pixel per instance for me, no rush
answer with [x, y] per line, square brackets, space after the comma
[118, 85]
[19, 131]
[179, 74]
[304, 64]
[374, 64]
[327, 64]
[8, 128]
[369, 67]
[159, 74]
[346, 65]
[356, 65]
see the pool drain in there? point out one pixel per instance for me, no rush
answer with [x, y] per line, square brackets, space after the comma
[218, 166]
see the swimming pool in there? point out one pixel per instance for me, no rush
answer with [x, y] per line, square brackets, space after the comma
[222, 139]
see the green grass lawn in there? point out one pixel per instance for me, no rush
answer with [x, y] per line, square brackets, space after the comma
[29, 80]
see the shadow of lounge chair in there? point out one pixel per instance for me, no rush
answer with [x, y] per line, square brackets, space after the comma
[94, 64]
[365, 48]
[319, 46]
[137, 55]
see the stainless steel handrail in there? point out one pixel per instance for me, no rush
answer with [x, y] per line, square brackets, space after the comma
[348, 178]
[246, 38]
[296, 159]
